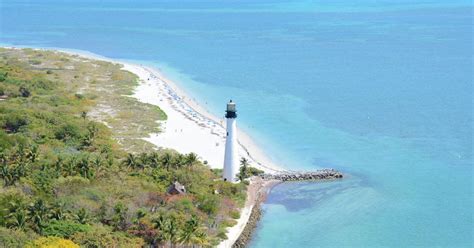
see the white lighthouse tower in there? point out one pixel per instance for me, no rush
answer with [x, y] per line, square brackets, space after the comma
[231, 164]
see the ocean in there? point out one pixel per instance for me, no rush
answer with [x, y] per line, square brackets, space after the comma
[381, 90]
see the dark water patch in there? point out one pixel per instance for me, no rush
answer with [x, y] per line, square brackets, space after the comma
[298, 196]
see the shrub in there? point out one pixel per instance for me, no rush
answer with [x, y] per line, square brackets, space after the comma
[70, 185]
[67, 131]
[6, 141]
[184, 204]
[79, 96]
[222, 234]
[234, 214]
[42, 180]
[3, 76]
[15, 121]
[99, 236]
[208, 204]
[228, 223]
[254, 171]
[43, 86]
[51, 242]
[24, 92]
[15, 238]
[64, 228]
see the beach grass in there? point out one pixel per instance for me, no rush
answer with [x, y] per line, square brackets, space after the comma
[107, 85]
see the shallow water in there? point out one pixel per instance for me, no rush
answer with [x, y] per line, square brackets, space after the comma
[381, 90]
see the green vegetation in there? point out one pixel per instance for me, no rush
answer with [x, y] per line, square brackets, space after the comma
[246, 171]
[69, 179]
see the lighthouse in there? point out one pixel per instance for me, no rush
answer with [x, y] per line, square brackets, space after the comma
[231, 166]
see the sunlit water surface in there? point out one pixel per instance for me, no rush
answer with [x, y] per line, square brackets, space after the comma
[381, 90]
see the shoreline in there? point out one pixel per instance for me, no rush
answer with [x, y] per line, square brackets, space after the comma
[257, 191]
[260, 195]
[156, 89]
[191, 115]
[190, 128]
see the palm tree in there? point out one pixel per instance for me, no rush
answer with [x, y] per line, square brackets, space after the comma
[84, 168]
[82, 216]
[70, 166]
[168, 229]
[10, 173]
[57, 211]
[120, 216]
[87, 140]
[6, 174]
[97, 163]
[16, 215]
[178, 160]
[17, 219]
[243, 169]
[143, 160]
[154, 159]
[3, 156]
[191, 159]
[37, 214]
[20, 153]
[166, 160]
[192, 233]
[4, 169]
[172, 231]
[244, 162]
[92, 129]
[89, 137]
[32, 153]
[160, 224]
[59, 164]
[130, 161]
[21, 168]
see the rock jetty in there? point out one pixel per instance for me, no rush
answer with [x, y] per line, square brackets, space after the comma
[323, 174]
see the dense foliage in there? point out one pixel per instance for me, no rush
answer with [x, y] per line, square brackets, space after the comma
[67, 181]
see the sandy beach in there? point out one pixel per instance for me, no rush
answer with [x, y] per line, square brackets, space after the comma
[190, 128]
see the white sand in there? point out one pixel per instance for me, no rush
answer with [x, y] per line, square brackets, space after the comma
[190, 128]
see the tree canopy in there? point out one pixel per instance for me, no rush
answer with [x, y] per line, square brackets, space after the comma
[68, 178]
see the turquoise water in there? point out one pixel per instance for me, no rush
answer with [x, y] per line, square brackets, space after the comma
[381, 90]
